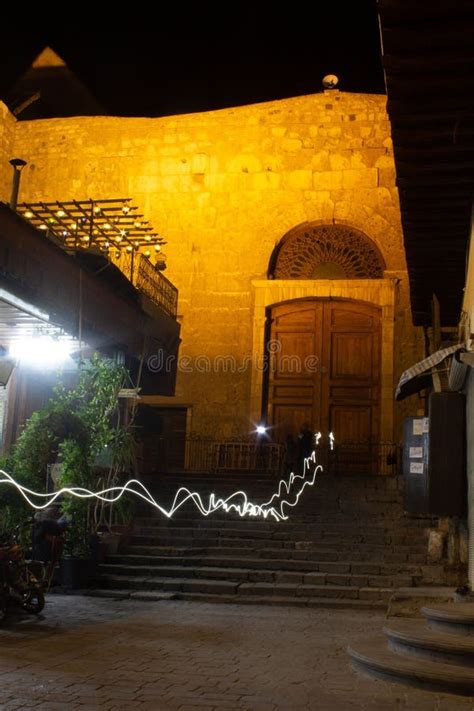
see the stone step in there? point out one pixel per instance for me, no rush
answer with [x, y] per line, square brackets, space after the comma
[414, 638]
[420, 572]
[204, 585]
[321, 602]
[452, 618]
[294, 534]
[391, 556]
[168, 584]
[148, 595]
[374, 656]
[202, 539]
[327, 529]
[348, 542]
[255, 575]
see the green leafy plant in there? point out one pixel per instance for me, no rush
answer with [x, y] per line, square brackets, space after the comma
[75, 428]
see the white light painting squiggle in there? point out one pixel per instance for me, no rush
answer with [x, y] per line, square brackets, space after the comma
[237, 501]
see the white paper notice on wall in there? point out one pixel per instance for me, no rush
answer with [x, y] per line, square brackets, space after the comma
[416, 467]
[418, 426]
[426, 424]
[416, 452]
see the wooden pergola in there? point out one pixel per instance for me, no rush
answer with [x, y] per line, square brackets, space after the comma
[110, 225]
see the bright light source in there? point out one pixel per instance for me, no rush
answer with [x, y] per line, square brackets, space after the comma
[261, 429]
[42, 351]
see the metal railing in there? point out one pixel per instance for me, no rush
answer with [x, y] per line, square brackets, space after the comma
[155, 285]
[197, 453]
[149, 281]
[210, 455]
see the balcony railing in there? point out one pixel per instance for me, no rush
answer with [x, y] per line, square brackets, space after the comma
[149, 281]
[155, 285]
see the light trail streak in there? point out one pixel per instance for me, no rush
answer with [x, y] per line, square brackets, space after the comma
[238, 501]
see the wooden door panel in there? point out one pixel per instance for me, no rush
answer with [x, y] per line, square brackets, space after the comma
[349, 319]
[295, 349]
[295, 317]
[339, 394]
[351, 423]
[352, 356]
[293, 393]
[342, 394]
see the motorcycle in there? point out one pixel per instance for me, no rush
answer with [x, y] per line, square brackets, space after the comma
[21, 580]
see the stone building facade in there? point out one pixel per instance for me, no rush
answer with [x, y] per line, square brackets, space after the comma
[291, 203]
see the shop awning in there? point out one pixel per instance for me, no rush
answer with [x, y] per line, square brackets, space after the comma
[419, 375]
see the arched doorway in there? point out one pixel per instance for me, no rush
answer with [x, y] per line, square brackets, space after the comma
[325, 368]
[323, 323]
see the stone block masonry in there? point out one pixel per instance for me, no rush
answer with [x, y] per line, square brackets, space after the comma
[224, 187]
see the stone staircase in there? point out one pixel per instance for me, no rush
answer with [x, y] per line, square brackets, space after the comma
[346, 544]
[437, 653]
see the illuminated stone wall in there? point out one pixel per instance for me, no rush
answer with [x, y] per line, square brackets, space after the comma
[7, 137]
[223, 188]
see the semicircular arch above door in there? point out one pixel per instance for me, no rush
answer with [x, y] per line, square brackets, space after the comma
[326, 252]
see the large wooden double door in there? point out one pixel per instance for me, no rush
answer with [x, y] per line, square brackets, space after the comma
[325, 369]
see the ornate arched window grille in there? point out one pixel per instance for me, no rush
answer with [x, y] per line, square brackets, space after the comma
[326, 252]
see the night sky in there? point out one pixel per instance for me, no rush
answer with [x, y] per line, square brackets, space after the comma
[197, 57]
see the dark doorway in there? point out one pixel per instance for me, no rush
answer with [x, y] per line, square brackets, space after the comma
[161, 432]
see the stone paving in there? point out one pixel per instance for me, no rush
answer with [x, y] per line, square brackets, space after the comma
[94, 653]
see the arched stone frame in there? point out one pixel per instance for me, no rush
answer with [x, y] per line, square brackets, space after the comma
[316, 250]
[379, 292]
